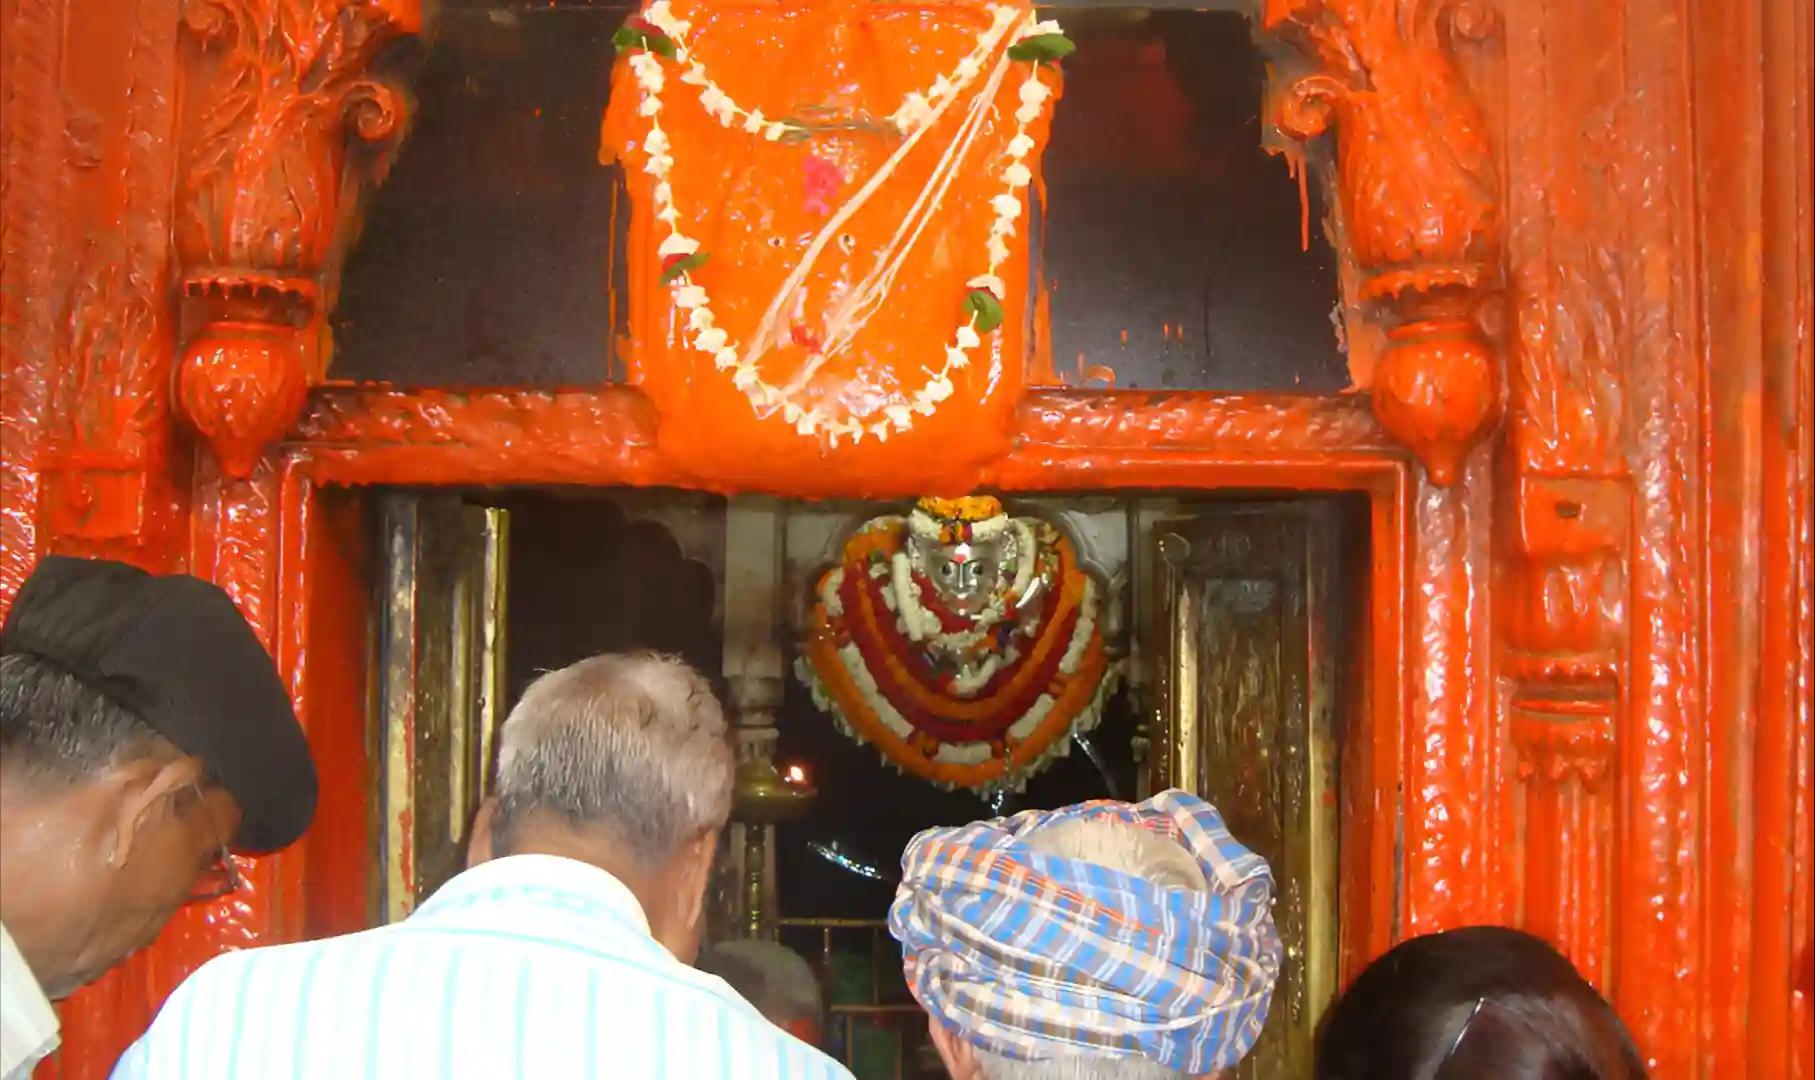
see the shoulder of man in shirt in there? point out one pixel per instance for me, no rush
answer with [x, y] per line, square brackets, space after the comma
[217, 994]
[563, 950]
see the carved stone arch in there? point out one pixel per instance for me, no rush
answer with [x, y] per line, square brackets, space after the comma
[1416, 198]
[612, 573]
[694, 520]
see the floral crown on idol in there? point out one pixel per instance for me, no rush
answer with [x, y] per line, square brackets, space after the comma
[964, 520]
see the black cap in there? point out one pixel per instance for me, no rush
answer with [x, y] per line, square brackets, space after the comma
[175, 652]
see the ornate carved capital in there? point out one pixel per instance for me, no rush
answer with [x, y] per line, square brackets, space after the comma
[285, 124]
[1559, 741]
[1417, 193]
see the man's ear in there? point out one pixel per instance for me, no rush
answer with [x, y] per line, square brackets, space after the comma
[701, 850]
[146, 790]
[957, 1053]
[479, 843]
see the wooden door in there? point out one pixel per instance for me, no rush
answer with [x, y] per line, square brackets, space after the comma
[1246, 626]
[439, 686]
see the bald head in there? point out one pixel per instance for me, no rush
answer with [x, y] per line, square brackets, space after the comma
[1120, 846]
[775, 979]
[631, 745]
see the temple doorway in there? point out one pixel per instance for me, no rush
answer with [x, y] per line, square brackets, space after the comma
[1231, 650]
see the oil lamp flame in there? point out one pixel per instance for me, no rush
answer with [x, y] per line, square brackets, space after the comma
[796, 775]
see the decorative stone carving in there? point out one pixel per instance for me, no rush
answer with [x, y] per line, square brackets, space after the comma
[285, 124]
[1564, 753]
[240, 385]
[1565, 499]
[107, 388]
[1559, 743]
[1418, 200]
[1651, 485]
[1565, 591]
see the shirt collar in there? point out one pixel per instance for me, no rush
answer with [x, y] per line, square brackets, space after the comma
[28, 1024]
[547, 873]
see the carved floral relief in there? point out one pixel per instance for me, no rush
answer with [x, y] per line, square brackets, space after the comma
[286, 119]
[1418, 196]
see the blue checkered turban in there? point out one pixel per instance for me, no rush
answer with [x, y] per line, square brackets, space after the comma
[1036, 956]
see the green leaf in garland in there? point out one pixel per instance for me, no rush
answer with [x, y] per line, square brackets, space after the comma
[629, 37]
[987, 310]
[684, 264]
[1042, 48]
[626, 38]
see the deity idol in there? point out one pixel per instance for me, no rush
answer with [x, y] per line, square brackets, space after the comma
[967, 586]
[963, 643]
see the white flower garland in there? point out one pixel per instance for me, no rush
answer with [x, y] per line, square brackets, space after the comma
[1026, 560]
[916, 108]
[917, 111]
[919, 623]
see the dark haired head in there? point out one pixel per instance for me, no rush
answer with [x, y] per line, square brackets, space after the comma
[1482, 1002]
[55, 726]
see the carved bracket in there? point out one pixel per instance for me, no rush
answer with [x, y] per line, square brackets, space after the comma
[1567, 586]
[285, 125]
[1417, 197]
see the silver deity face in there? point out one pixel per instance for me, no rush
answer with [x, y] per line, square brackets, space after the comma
[966, 576]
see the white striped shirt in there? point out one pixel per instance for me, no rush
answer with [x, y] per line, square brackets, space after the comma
[28, 1025]
[528, 966]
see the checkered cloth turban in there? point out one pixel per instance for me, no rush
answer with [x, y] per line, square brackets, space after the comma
[1036, 956]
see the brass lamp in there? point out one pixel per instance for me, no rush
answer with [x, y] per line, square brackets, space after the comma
[760, 797]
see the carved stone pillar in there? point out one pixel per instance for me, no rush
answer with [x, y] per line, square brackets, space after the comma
[1565, 498]
[755, 678]
[1563, 754]
[754, 701]
[284, 124]
[83, 306]
[1417, 201]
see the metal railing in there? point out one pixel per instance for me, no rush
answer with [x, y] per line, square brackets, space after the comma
[889, 1008]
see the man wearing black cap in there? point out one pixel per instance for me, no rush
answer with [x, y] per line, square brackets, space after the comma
[143, 732]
